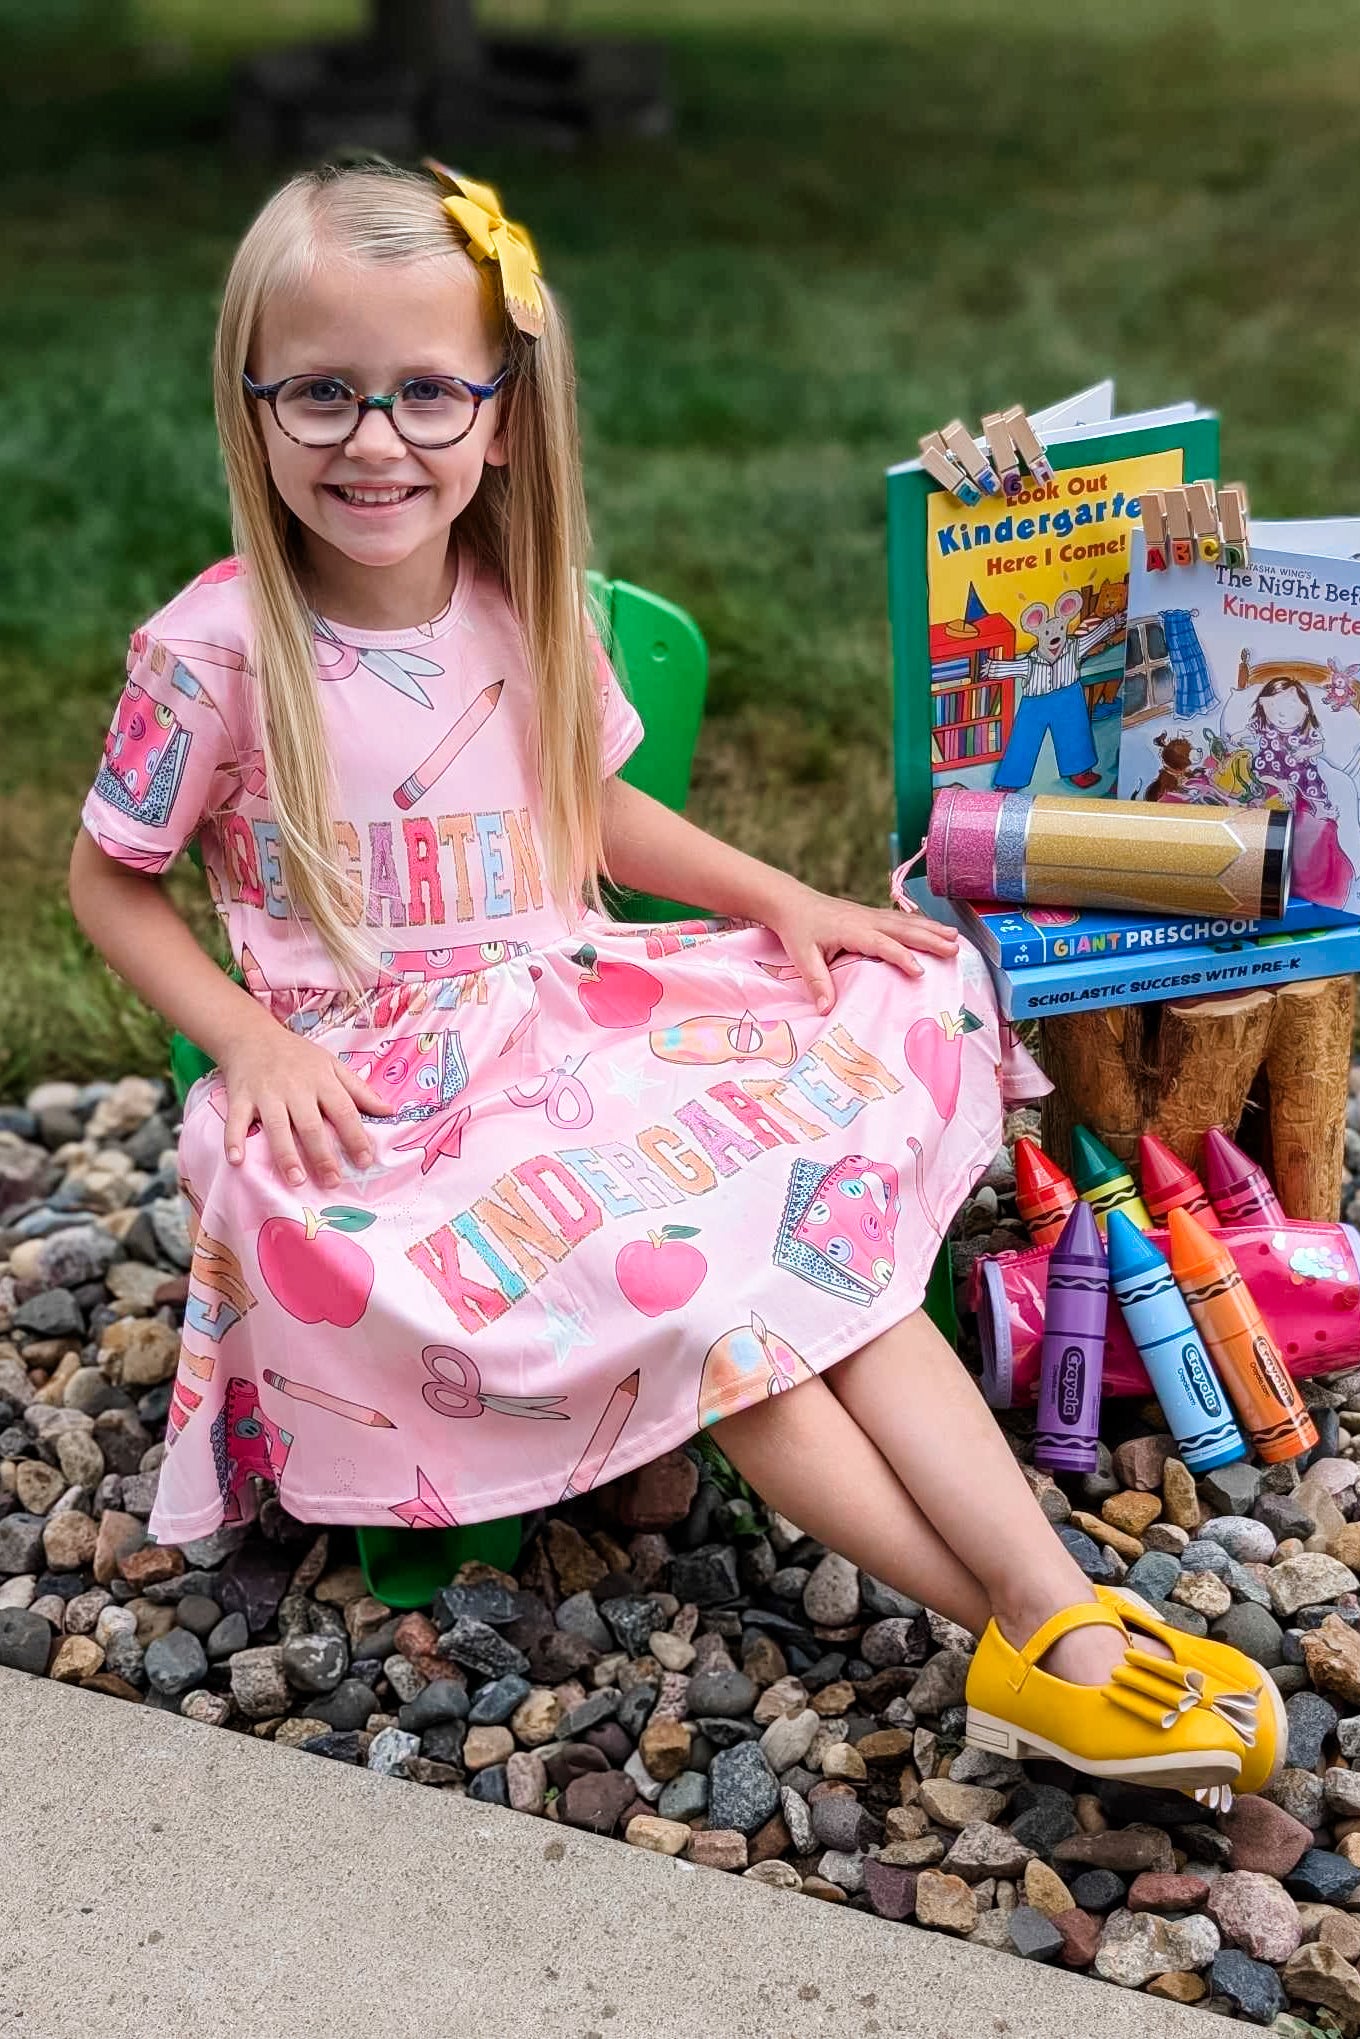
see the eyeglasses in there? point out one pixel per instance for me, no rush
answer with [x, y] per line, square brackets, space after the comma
[428, 411]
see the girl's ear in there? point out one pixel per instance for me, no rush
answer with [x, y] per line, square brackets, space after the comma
[497, 452]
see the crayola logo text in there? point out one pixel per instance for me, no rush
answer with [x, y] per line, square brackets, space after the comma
[1273, 1380]
[1199, 1381]
[1071, 1383]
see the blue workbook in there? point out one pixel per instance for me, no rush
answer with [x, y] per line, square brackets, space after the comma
[1042, 937]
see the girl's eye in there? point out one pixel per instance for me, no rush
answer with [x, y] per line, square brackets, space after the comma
[324, 390]
[425, 390]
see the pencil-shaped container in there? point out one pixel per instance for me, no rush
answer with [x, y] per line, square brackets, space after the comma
[1067, 1432]
[1155, 856]
[1238, 1342]
[1191, 1396]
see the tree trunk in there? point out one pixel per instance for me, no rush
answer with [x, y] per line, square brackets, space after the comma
[1177, 1069]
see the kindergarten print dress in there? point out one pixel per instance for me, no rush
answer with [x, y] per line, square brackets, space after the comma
[630, 1181]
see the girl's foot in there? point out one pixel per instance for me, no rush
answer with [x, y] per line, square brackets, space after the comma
[1085, 1656]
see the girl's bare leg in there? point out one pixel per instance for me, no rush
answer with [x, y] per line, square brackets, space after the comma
[809, 1458]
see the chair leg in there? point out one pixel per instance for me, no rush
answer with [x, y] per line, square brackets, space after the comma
[407, 1567]
[939, 1297]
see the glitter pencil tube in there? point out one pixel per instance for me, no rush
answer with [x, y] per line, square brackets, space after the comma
[1044, 1196]
[1071, 1364]
[1168, 1185]
[1239, 1191]
[1238, 1342]
[1188, 1390]
[1129, 855]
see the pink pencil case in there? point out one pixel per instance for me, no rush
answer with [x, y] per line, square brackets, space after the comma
[1305, 1278]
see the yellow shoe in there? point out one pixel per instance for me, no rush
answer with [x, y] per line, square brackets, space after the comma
[1150, 1724]
[1228, 1674]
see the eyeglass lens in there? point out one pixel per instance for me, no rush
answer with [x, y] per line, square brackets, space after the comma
[320, 411]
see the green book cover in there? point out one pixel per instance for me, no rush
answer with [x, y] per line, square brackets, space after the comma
[1008, 618]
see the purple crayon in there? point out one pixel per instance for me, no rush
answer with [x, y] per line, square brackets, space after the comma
[1072, 1359]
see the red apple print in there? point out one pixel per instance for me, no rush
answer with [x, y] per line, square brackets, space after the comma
[313, 1270]
[934, 1052]
[660, 1272]
[616, 994]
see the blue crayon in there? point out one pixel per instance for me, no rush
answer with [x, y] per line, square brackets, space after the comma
[1191, 1395]
[1072, 1357]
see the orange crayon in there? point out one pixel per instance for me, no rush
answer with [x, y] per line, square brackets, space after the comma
[1168, 1185]
[1237, 1340]
[1044, 1196]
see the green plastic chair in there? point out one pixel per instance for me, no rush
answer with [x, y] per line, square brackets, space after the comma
[664, 663]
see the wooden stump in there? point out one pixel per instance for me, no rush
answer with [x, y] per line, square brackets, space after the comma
[1270, 1067]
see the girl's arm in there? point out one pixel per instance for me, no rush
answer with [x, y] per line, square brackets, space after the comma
[653, 850]
[270, 1072]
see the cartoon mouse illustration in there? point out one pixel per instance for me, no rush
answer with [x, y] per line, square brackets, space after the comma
[1052, 699]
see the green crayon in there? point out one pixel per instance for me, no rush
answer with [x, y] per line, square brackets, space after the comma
[1104, 1182]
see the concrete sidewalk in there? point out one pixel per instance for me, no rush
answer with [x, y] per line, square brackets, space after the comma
[162, 1879]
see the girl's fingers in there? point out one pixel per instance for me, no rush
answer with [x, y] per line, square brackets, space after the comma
[279, 1133]
[364, 1095]
[240, 1114]
[315, 1142]
[917, 929]
[340, 1109]
[812, 963]
[889, 950]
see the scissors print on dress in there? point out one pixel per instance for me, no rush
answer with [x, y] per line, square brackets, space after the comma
[455, 1389]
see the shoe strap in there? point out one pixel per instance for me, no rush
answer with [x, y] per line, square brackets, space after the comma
[1084, 1614]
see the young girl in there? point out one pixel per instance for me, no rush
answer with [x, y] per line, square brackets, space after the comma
[494, 1198]
[1286, 742]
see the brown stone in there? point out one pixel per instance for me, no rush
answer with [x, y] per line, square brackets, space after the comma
[1180, 1987]
[885, 1745]
[664, 1748]
[956, 1805]
[1332, 1656]
[69, 1540]
[654, 1496]
[945, 1901]
[113, 1687]
[771, 1840]
[1132, 1512]
[1341, 1931]
[338, 1588]
[1091, 1817]
[718, 1848]
[119, 1535]
[1139, 1462]
[1345, 1545]
[1105, 1533]
[487, 1745]
[1124, 1849]
[150, 1565]
[1081, 1936]
[1264, 1836]
[764, 1662]
[1045, 1890]
[151, 1620]
[1154, 1892]
[829, 1893]
[77, 1657]
[841, 1761]
[661, 1837]
[1180, 1497]
[576, 1565]
[1317, 1974]
[596, 1799]
[786, 1695]
[833, 1699]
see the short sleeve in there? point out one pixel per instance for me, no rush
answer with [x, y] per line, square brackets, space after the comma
[621, 728]
[169, 758]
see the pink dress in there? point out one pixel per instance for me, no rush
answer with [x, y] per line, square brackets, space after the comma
[630, 1182]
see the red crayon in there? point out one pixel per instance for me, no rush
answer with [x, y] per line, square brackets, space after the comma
[1168, 1185]
[1044, 1196]
[1239, 1191]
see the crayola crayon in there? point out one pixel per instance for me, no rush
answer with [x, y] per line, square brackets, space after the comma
[1103, 1181]
[1238, 1342]
[1182, 1374]
[1043, 1194]
[1239, 1191]
[1073, 1357]
[1169, 1185]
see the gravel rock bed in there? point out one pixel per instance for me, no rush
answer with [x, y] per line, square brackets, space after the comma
[672, 1664]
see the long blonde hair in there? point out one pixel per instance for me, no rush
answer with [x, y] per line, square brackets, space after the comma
[526, 525]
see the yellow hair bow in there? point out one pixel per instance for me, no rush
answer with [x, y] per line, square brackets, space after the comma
[491, 237]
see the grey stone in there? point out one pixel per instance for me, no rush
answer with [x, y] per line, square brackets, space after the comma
[440, 1700]
[635, 1708]
[941, 1683]
[579, 1615]
[389, 1749]
[893, 1641]
[798, 1820]
[1299, 1793]
[1251, 1987]
[743, 1790]
[1202, 1556]
[175, 1663]
[845, 1871]
[1284, 1516]
[707, 1576]
[725, 1694]
[980, 1850]
[1311, 1720]
[601, 1706]
[1322, 1877]
[229, 1636]
[257, 1682]
[631, 1618]
[54, 1313]
[831, 1596]
[1097, 1890]
[885, 1602]
[1034, 1936]
[1232, 1489]
[686, 1797]
[1242, 1537]
[841, 1822]
[21, 1543]
[490, 1786]
[476, 1646]
[315, 1663]
[124, 1655]
[196, 1612]
[25, 1640]
[1153, 1575]
[1088, 1554]
[348, 1707]
[1254, 1631]
[485, 1601]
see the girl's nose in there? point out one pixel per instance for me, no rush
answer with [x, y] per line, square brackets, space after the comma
[375, 437]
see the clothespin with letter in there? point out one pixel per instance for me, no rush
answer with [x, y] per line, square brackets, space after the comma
[1028, 443]
[1153, 506]
[1179, 528]
[1232, 516]
[1005, 458]
[1199, 498]
[961, 447]
[941, 467]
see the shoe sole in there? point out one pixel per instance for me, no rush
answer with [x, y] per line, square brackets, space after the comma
[1268, 1684]
[1186, 1772]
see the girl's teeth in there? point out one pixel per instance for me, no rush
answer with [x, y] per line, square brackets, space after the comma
[375, 495]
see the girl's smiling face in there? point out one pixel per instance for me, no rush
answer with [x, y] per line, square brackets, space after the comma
[1284, 710]
[375, 326]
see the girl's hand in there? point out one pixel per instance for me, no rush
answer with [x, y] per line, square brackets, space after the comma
[815, 927]
[294, 1087]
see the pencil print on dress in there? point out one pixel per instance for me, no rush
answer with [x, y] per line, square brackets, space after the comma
[416, 1075]
[838, 1226]
[605, 1436]
[245, 1443]
[745, 1365]
[314, 1268]
[432, 768]
[335, 1405]
[713, 1038]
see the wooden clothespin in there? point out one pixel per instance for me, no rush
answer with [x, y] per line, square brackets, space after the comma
[936, 460]
[1179, 528]
[1204, 520]
[1005, 458]
[961, 447]
[1028, 443]
[1232, 520]
[1153, 506]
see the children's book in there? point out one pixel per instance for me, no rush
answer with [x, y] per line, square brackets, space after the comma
[1242, 687]
[1193, 971]
[1009, 618]
[1042, 937]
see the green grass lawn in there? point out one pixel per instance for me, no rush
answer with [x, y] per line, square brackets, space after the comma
[870, 217]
